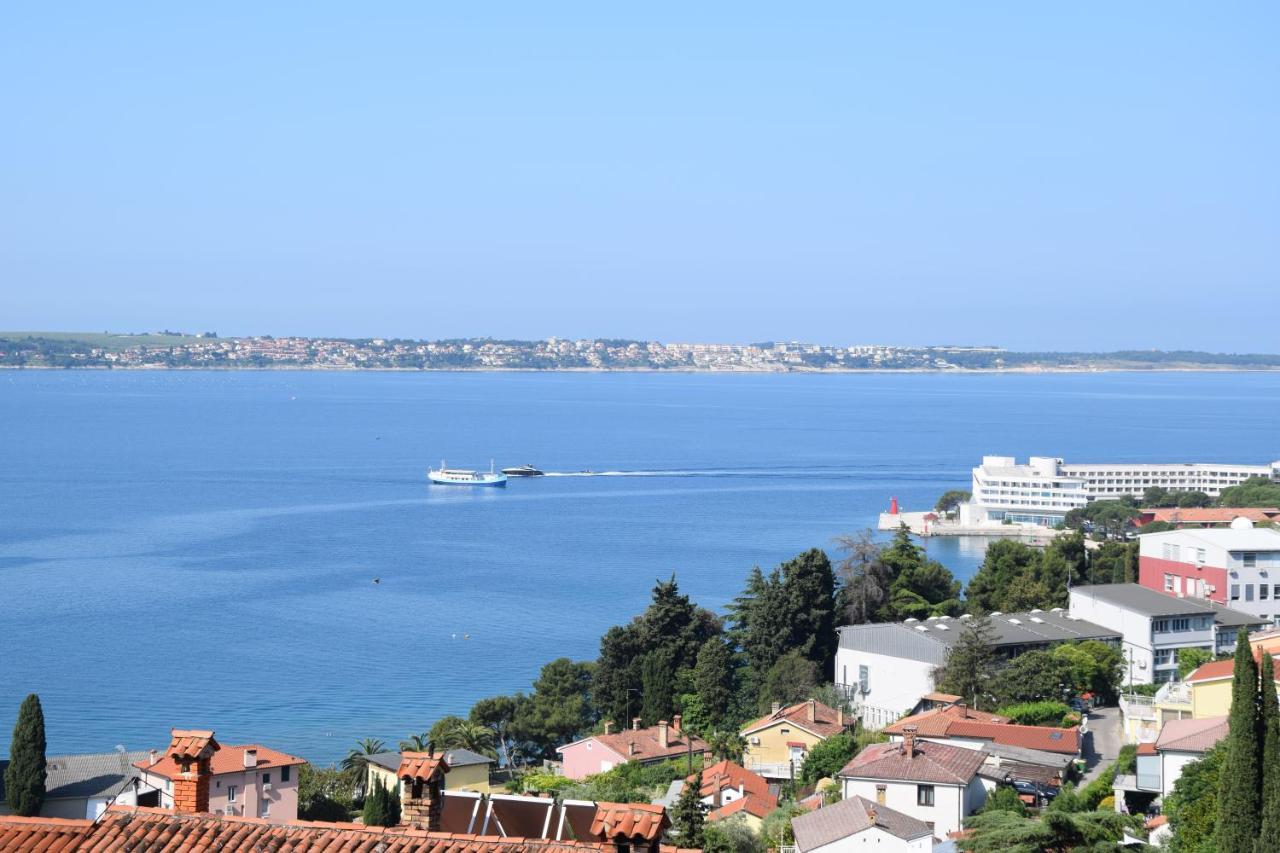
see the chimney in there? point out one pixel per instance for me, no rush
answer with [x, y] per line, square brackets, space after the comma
[777, 706]
[422, 778]
[663, 740]
[250, 759]
[608, 727]
[192, 751]
[152, 758]
[635, 724]
[964, 710]
[631, 747]
[811, 710]
[840, 715]
[871, 813]
[675, 724]
[909, 741]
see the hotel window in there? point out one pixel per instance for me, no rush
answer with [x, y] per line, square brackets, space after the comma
[1250, 559]
[1168, 583]
[1235, 592]
[231, 793]
[1263, 589]
[924, 795]
[1248, 592]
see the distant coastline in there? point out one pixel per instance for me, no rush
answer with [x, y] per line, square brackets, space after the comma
[178, 351]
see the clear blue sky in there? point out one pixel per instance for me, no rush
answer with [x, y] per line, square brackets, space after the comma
[1089, 176]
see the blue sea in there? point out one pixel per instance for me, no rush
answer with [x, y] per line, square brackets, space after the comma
[198, 549]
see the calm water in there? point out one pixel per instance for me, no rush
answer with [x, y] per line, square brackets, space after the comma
[197, 549]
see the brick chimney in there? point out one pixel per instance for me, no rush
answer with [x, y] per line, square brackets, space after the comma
[811, 710]
[964, 710]
[192, 750]
[664, 740]
[608, 727]
[675, 724]
[909, 741]
[635, 724]
[422, 775]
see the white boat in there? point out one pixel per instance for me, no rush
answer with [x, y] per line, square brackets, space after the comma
[446, 476]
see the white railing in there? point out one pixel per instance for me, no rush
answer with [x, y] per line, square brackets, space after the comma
[772, 770]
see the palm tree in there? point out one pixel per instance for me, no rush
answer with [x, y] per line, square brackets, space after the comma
[416, 743]
[468, 734]
[358, 759]
[728, 745]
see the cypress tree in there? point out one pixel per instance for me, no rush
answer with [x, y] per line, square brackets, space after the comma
[381, 807]
[687, 813]
[24, 778]
[658, 686]
[1240, 784]
[1269, 837]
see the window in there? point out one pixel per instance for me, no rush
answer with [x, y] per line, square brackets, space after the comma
[231, 793]
[1159, 626]
[266, 778]
[1263, 589]
[924, 795]
[284, 773]
[1168, 583]
[1180, 624]
[1199, 555]
[1248, 592]
[880, 794]
[1235, 592]
[1250, 559]
[264, 808]
[864, 679]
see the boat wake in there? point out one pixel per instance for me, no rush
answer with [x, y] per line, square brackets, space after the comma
[754, 473]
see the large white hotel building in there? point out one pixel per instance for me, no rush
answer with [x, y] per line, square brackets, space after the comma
[1045, 489]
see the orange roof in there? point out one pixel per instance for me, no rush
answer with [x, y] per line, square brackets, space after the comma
[752, 804]
[421, 765]
[936, 722]
[1216, 669]
[1043, 738]
[192, 744]
[161, 831]
[1146, 749]
[647, 745]
[630, 820]
[228, 759]
[726, 774]
[948, 698]
[824, 724]
[1211, 515]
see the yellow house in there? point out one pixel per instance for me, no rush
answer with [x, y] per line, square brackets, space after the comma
[778, 744]
[468, 771]
[1211, 688]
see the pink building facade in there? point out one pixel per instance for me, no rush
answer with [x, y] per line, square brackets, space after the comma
[247, 780]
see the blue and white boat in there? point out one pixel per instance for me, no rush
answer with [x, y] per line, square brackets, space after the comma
[446, 476]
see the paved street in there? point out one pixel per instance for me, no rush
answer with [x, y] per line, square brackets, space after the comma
[1102, 743]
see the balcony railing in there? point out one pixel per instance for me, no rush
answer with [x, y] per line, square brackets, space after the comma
[773, 770]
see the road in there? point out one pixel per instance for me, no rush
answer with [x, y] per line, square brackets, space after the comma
[1102, 743]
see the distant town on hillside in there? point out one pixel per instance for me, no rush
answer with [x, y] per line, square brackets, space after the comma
[169, 349]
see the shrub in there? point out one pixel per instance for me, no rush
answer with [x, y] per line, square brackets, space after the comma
[1043, 713]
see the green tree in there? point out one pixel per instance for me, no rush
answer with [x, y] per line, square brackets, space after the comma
[714, 681]
[1108, 668]
[439, 731]
[1000, 831]
[1005, 562]
[1046, 712]
[864, 578]
[417, 743]
[726, 744]
[826, 759]
[1240, 787]
[971, 663]
[1193, 499]
[25, 776]
[688, 813]
[658, 689]
[949, 503]
[1253, 492]
[559, 708]
[920, 587]
[791, 679]
[1083, 666]
[1192, 806]
[809, 588]
[1114, 562]
[1269, 724]
[325, 793]
[1189, 660]
[1005, 798]
[499, 713]
[1033, 676]
[467, 734]
[1156, 496]
[381, 807]
[776, 829]
[731, 835]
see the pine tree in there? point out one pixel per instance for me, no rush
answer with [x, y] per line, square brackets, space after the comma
[25, 776]
[970, 663]
[687, 813]
[1269, 836]
[809, 592]
[1240, 794]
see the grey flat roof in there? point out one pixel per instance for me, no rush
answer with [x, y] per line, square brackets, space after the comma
[453, 757]
[95, 774]
[1150, 602]
[929, 640]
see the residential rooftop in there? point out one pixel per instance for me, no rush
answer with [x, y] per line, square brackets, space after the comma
[1188, 735]
[452, 757]
[847, 817]
[811, 715]
[1150, 602]
[94, 774]
[928, 762]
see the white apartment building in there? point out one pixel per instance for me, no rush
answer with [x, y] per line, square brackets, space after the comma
[1035, 493]
[1045, 489]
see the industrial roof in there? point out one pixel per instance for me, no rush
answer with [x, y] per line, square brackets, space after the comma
[929, 639]
[1231, 539]
[1150, 602]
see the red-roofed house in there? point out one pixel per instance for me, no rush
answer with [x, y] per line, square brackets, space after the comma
[778, 743]
[598, 753]
[730, 789]
[960, 726]
[1181, 742]
[246, 779]
[1210, 686]
[933, 782]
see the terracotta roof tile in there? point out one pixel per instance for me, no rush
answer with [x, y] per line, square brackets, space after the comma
[848, 817]
[647, 745]
[930, 762]
[1216, 669]
[228, 759]
[191, 744]
[824, 724]
[421, 765]
[629, 820]
[1191, 735]
[726, 774]
[1043, 738]
[753, 804]
[936, 721]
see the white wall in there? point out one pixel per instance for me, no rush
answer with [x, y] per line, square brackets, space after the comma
[876, 839]
[946, 814]
[1135, 627]
[1171, 764]
[896, 684]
